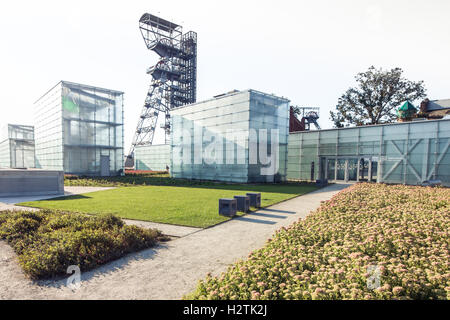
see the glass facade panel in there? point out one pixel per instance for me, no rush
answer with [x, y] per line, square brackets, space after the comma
[76, 125]
[407, 153]
[154, 157]
[5, 154]
[228, 128]
[17, 147]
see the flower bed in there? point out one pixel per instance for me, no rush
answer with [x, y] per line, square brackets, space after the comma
[370, 241]
[48, 242]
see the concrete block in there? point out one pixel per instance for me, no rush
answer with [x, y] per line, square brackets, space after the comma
[227, 207]
[255, 199]
[243, 203]
[31, 182]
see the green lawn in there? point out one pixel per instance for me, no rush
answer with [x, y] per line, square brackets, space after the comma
[190, 206]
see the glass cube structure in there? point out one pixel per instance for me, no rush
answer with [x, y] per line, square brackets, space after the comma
[237, 137]
[406, 153]
[79, 129]
[17, 146]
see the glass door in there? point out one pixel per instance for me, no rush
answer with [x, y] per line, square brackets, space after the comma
[331, 168]
[353, 169]
[340, 169]
[374, 171]
[364, 169]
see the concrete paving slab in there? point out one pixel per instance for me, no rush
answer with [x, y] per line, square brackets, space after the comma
[167, 229]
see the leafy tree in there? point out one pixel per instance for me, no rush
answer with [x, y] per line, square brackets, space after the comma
[376, 98]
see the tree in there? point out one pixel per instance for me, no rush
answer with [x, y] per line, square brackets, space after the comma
[376, 98]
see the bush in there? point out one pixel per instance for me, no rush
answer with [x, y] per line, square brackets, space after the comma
[47, 242]
[129, 180]
[402, 231]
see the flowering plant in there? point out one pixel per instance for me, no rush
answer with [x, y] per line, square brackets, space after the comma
[398, 234]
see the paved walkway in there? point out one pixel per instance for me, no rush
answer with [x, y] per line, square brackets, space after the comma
[172, 269]
[8, 203]
[167, 229]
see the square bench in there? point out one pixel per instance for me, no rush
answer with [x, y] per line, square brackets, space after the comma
[227, 207]
[255, 199]
[243, 203]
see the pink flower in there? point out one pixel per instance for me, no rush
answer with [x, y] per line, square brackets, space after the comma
[267, 292]
[397, 290]
[255, 295]
[261, 284]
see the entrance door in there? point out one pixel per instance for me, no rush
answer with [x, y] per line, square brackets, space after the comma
[352, 167]
[364, 168]
[341, 169]
[331, 163]
[346, 169]
[374, 171]
[323, 168]
[104, 166]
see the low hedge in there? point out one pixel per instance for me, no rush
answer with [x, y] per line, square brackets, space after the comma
[130, 180]
[47, 242]
[401, 231]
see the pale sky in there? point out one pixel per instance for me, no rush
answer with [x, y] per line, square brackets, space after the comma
[307, 51]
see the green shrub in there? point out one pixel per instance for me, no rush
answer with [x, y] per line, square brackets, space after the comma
[403, 231]
[47, 242]
[146, 179]
[129, 180]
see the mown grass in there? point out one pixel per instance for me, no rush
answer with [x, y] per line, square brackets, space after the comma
[48, 242]
[195, 206]
[371, 241]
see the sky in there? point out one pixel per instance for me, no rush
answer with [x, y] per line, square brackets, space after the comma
[307, 51]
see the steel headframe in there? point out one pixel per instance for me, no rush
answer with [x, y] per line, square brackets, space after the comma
[311, 115]
[174, 77]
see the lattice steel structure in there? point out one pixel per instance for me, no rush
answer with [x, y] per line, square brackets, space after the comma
[310, 116]
[174, 77]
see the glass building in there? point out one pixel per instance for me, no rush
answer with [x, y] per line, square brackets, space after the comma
[406, 153]
[17, 146]
[152, 157]
[230, 138]
[79, 129]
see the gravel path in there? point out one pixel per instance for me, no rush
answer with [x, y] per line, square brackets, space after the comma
[172, 269]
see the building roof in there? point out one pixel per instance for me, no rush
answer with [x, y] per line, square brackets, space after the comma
[371, 126]
[233, 93]
[407, 106]
[438, 104]
[79, 85]
[436, 114]
[85, 86]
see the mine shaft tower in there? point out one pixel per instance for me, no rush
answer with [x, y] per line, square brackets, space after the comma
[174, 77]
